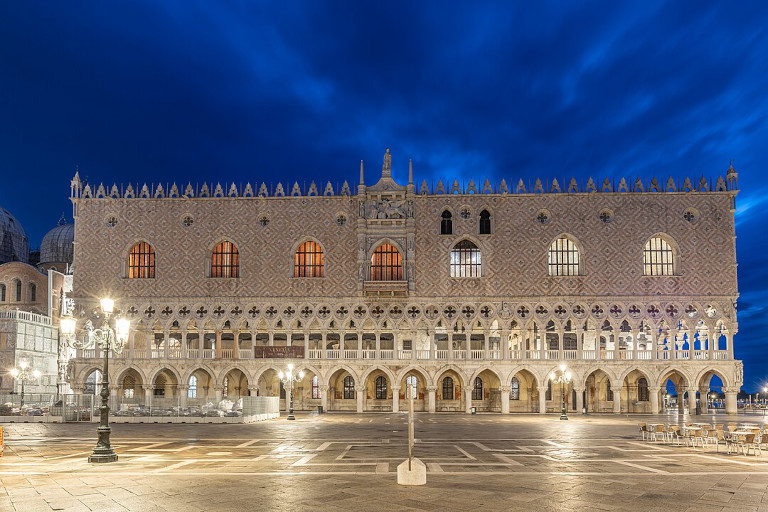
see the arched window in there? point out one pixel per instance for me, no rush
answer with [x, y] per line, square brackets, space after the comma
[448, 388]
[658, 258]
[18, 290]
[129, 383]
[192, 390]
[608, 391]
[411, 386]
[642, 390]
[514, 390]
[2, 292]
[309, 260]
[386, 264]
[466, 260]
[446, 223]
[563, 258]
[225, 260]
[485, 223]
[477, 391]
[381, 387]
[315, 387]
[141, 261]
[32, 293]
[349, 388]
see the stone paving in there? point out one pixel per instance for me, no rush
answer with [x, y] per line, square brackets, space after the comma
[349, 461]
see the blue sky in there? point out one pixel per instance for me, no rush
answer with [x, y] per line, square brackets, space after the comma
[300, 91]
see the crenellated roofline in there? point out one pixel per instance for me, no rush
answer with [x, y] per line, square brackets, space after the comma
[727, 184]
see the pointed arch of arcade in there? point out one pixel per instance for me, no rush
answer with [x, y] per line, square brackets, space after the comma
[204, 367]
[413, 369]
[219, 378]
[167, 369]
[477, 373]
[436, 376]
[132, 369]
[87, 371]
[341, 367]
[682, 386]
[632, 394]
[704, 377]
[386, 371]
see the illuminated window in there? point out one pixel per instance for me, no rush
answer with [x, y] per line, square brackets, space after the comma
[129, 383]
[658, 258]
[563, 258]
[309, 260]
[192, 391]
[141, 261]
[349, 388]
[315, 387]
[514, 391]
[642, 390]
[485, 223]
[225, 260]
[386, 264]
[465, 260]
[477, 391]
[381, 387]
[448, 388]
[446, 223]
[410, 386]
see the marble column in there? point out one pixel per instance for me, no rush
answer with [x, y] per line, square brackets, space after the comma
[360, 395]
[431, 407]
[468, 399]
[395, 398]
[730, 400]
[505, 399]
[542, 399]
[579, 399]
[654, 392]
[324, 390]
[617, 397]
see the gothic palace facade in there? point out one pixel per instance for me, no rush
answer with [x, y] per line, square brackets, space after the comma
[471, 295]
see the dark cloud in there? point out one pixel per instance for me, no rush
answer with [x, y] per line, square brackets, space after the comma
[262, 91]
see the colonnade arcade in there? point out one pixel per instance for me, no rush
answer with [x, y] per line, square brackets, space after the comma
[606, 388]
[599, 331]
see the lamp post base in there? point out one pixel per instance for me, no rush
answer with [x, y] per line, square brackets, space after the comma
[102, 457]
[563, 417]
[291, 417]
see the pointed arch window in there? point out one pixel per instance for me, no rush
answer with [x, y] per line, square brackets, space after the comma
[563, 258]
[225, 260]
[309, 260]
[448, 388]
[658, 258]
[386, 264]
[466, 260]
[18, 290]
[349, 388]
[485, 223]
[642, 390]
[141, 261]
[477, 391]
[315, 387]
[411, 386]
[32, 293]
[192, 390]
[381, 387]
[446, 223]
[514, 390]
[2, 292]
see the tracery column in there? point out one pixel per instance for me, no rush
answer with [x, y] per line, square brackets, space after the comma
[236, 347]
[184, 348]
[450, 345]
[306, 344]
[504, 345]
[729, 341]
[579, 343]
[166, 335]
[634, 334]
[218, 344]
[200, 342]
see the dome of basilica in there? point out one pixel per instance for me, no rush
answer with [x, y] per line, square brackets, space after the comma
[57, 244]
[14, 244]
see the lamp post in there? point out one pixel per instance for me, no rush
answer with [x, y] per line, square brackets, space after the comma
[107, 339]
[288, 377]
[563, 377]
[24, 373]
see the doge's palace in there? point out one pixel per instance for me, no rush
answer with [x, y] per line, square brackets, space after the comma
[464, 294]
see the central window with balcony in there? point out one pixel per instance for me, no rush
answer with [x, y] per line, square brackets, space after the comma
[386, 264]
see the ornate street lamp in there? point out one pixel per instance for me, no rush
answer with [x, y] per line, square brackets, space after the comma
[107, 339]
[288, 377]
[563, 377]
[24, 373]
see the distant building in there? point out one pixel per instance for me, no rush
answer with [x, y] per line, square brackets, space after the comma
[29, 307]
[470, 294]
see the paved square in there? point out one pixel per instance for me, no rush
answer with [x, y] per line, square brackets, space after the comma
[349, 462]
